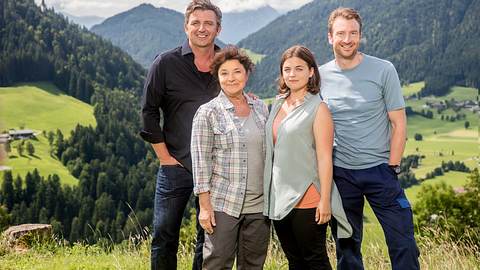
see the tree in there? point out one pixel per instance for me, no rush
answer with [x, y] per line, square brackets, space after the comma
[418, 137]
[76, 230]
[50, 137]
[30, 148]
[7, 190]
[8, 147]
[5, 218]
[20, 148]
[467, 124]
[456, 215]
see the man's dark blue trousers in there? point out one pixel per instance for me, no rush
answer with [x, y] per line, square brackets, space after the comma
[380, 186]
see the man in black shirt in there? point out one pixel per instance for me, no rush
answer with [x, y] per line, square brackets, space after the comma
[178, 82]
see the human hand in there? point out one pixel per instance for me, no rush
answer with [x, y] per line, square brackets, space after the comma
[168, 160]
[206, 218]
[323, 212]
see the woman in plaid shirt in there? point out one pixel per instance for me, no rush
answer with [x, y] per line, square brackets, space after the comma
[228, 152]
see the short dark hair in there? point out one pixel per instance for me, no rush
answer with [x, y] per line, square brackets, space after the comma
[347, 13]
[302, 52]
[203, 5]
[231, 52]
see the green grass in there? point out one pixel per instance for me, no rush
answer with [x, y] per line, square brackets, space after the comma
[437, 150]
[256, 58]
[41, 107]
[41, 160]
[433, 255]
[462, 93]
[412, 88]
[443, 140]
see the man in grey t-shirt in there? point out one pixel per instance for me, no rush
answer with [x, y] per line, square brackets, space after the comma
[365, 98]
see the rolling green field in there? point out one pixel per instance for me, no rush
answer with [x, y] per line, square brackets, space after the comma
[41, 107]
[256, 58]
[412, 88]
[443, 140]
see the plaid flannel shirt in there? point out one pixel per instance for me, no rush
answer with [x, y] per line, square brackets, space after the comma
[219, 152]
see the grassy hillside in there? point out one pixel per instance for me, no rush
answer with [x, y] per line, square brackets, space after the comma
[41, 107]
[434, 255]
[412, 88]
[256, 57]
[443, 140]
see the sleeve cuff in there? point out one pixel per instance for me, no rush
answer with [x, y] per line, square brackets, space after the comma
[152, 137]
[200, 189]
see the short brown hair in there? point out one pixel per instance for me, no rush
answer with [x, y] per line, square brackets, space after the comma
[347, 13]
[203, 5]
[306, 55]
[231, 52]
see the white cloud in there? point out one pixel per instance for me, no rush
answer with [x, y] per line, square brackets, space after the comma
[107, 8]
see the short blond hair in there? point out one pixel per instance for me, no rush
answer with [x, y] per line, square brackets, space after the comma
[347, 13]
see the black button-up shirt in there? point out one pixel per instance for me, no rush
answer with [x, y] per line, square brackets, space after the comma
[174, 88]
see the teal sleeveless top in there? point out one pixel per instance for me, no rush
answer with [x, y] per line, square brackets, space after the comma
[291, 164]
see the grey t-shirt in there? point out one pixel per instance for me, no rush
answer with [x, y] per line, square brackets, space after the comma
[359, 100]
[253, 202]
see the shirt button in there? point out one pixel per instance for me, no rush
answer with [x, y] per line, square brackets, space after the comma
[244, 161]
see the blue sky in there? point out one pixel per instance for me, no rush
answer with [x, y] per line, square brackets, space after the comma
[107, 8]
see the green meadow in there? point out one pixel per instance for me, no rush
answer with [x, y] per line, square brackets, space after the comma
[443, 140]
[256, 57]
[412, 88]
[41, 107]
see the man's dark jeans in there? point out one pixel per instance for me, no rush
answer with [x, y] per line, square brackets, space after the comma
[173, 189]
[380, 186]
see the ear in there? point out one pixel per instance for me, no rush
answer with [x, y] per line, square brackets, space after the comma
[330, 38]
[311, 73]
[219, 28]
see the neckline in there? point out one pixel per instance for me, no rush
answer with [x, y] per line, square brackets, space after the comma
[353, 68]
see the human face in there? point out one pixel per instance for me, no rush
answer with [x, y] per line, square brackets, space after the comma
[201, 28]
[345, 38]
[295, 73]
[232, 77]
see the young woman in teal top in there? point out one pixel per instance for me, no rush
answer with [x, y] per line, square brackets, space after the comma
[300, 196]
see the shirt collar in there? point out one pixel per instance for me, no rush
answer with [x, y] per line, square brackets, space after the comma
[228, 105]
[283, 96]
[186, 49]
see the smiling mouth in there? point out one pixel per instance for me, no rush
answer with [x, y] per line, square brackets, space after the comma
[347, 47]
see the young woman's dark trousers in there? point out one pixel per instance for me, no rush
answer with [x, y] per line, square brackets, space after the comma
[303, 240]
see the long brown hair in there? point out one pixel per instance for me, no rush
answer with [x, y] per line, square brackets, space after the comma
[302, 52]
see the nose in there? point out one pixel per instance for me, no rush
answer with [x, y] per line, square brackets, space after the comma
[347, 38]
[202, 27]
